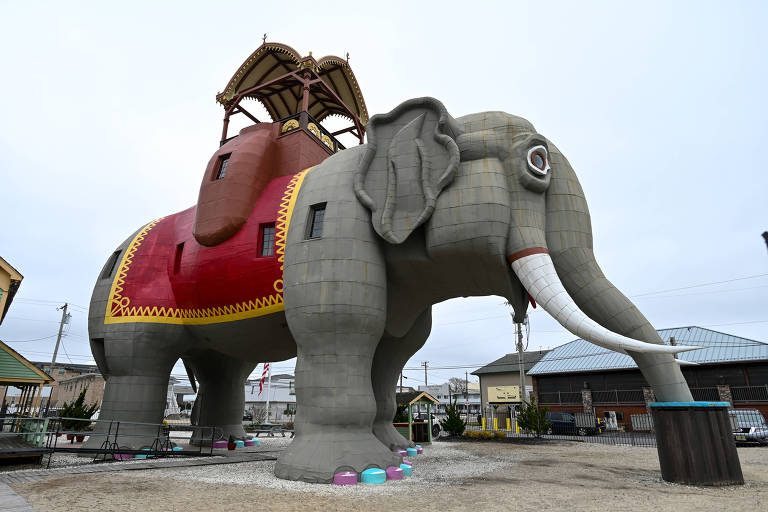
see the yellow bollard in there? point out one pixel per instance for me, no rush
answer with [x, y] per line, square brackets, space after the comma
[483, 422]
[517, 427]
[495, 423]
[509, 427]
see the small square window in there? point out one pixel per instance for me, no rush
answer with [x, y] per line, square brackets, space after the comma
[316, 218]
[267, 240]
[222, 168]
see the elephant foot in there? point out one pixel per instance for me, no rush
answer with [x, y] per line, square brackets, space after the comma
[390, 437]
[315, 458]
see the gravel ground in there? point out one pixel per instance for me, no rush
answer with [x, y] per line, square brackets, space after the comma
[449, 476]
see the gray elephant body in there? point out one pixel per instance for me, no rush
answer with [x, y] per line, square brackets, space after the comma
[430, 209]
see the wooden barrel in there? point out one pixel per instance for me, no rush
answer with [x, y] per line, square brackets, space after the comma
[695, 443]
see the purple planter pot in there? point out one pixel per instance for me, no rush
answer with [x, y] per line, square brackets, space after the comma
[345, 478]
[394, 473]
[400, 452]
[407, 462]
[219, 444]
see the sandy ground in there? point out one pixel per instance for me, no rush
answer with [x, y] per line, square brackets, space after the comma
[449, 476]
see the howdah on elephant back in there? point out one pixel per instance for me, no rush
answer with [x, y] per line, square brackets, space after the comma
[339, 265]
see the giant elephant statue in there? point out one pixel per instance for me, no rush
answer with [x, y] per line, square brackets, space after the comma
[431, 208]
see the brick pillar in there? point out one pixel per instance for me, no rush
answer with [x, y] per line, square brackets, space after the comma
[724, 393]
[586, 400]
[649, 396]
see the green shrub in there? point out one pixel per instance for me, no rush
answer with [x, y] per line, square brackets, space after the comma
[452, 423]
[401, 416]
[533, 418]
[77, 409]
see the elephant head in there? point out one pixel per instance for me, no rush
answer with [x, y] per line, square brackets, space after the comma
[519, 190]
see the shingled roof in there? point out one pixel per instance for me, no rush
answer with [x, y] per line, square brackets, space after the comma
[509, 363]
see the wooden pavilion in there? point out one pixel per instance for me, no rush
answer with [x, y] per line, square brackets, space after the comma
[412, 430]
[299, 89]
[16, 371]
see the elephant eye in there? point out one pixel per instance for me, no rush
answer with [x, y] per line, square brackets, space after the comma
[537, 160]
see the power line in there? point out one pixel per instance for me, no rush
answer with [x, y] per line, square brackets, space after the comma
[700, 285]
[32, 319]
[27, 341]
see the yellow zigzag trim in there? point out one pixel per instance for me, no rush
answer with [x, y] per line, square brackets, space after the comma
[119, 309]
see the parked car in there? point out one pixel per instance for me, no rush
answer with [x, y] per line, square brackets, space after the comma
[749, 426]
[567, 423]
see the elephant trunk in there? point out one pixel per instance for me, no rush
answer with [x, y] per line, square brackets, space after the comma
[569, 243]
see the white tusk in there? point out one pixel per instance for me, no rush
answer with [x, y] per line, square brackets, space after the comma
[686, 363]
[537, 274]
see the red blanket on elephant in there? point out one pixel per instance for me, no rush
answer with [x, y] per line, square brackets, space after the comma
[165, 276]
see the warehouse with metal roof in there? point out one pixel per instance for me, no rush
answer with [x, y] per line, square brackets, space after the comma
[579, 376]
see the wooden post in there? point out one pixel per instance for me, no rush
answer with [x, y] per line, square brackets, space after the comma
[410, 422]
[695, 443]
[429, 424]
[305, 95]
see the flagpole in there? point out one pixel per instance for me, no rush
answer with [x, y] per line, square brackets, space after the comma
[269, 387]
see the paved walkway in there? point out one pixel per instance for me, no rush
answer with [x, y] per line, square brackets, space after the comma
[12, 502]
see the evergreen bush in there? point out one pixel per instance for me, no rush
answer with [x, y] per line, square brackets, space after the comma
[532, 417]
[77, 409]
[452, 423]
[401, 416]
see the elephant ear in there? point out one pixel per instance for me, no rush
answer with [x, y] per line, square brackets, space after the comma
[410, 157]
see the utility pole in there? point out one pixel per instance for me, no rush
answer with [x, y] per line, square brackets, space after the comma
[64, 320]
[466, 394]
[424, 364]
[521, 361]
[401, 381]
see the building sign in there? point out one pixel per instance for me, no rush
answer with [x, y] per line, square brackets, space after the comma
[504, 394]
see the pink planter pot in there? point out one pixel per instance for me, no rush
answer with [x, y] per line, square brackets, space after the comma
[345, 478]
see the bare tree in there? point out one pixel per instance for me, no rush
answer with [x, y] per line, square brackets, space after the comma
[457, 385]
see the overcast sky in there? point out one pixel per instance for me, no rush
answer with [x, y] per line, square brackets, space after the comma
[108, 118]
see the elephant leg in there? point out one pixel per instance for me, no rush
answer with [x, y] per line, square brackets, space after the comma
[136, 363]
[391, 355]
[335, 401]
[220, 398]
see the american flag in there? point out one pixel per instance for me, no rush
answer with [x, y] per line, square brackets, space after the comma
[263, 377]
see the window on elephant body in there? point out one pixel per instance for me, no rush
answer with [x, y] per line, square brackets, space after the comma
[267, 240]
[222, 171]
[316, 218]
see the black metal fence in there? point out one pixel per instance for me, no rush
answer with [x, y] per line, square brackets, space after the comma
[750, 393]
[116, 440]
[749, 427]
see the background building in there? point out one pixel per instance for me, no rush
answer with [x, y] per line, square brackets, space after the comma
[504, 372]
[469, 404]
[65, 372]
[282, 398]
[581, 377]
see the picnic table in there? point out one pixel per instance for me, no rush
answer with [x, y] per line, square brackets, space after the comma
[270, 429]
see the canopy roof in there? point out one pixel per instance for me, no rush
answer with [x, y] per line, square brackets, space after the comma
[283, 98]
[413, 397]
[15, 370]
